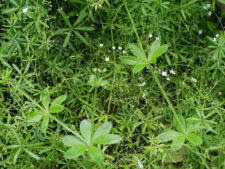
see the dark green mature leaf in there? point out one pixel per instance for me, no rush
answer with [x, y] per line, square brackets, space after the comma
[138, 68]
[85, 28]
[35, 116]
[32, 154]
[72, 141]
[75, 151]
[137, 51]
[95, 154]
[108, 139]
[81, 38]
[177, 143]
[129, 60]
[168, 136]
[86, 129]
[81, 17]
[102, 130]
[194, 139]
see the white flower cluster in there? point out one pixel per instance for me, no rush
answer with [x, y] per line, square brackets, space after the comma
[113, 48]
[164, 73]
[215, 38]
[207, 7]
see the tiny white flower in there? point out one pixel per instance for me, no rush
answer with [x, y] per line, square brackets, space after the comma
[147, 67]
[164, 73]
[143, 95]
[200, 32]
[72, 57]
[194, 80]
[208, 5]
[25, 10]
[220, 93]
[151, 35]
[107, 59]
[124, 52]
[172, 72]
[101, 45]
[144, 83]
[168, 78]
[113, 47]
[157, 38]
[214, 39]
[217, 35]
[209, 13]
[205, 7]
[120, 48]
[140, 165]
[104, 70]
[99, 70]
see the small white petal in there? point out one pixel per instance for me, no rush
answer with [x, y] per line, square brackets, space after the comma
[208, 5]
[25, 10]
[140, 165]
[194, 80]
[214, 39]
[172, 72]
[107, 59]
[120, 48]
[200, 32]
[217, 35]
[168, 78]
[124, 52]
[209, 13]
[113, 47]
[150, 36]
[157, 38]
[101, 45]
[164, 73]
[143, 95]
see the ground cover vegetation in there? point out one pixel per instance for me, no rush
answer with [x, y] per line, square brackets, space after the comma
[112, 84]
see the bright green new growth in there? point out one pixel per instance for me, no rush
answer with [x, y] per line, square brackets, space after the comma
[100, 137]
[140, 61]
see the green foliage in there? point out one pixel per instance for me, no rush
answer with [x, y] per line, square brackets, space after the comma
[100, 136]
[62, 62]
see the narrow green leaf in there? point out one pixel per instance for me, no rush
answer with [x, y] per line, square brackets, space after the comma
[81, 17]
[66, 41]
[81, 38]
[44, 123]
[177, 143]
[32, 154]
[45, 98]
[72, 141]
[86, 129]
[75, 151]
[95, 154]
[138, 68]
[108, 139]
[65, 17]
[60, 31]
[35, 116]
[168, 136]
[16, 155]
[102, 130]
[7, 11]
[137, 51]
[85, 28]
[194, 139]
[129, 60]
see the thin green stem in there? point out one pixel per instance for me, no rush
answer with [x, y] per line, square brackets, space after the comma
[94, 111]
[154, 76]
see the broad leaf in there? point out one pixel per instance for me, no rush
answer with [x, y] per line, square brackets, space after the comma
[194, 139]
[129, 60]
[179, 123]
[155, 45]
[102, 130]
[86, 129]
[137, 51]
[75, 151]
[168, 136]
[177, 143]
[35, 116]
[56, 106]
[95, 154]
[72, 141]
[138, 68]
[108, 139]
[158, 52]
